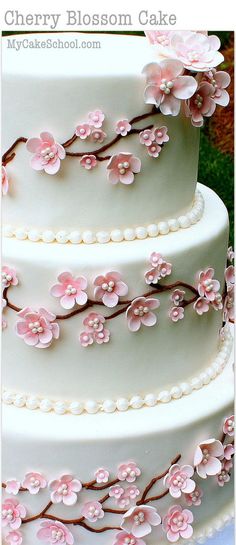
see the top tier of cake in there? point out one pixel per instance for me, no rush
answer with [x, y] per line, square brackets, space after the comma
[54, 89]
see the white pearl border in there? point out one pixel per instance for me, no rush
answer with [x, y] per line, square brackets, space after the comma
[122, 404]
[116, 235]
[218, 523]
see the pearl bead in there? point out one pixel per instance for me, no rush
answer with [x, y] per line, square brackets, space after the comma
[62, 237]
[150, 400]
[176, 392]
[163, 227]
[117, 235]
[21, 233]
[46, 405]
[76, 408]
[184, 222]
[75, 237]
[91, 407]
[34, 235]
[8, 397]
[141, 232]
[164, 396]
[32, 403]
[173, 224]
[136, 402]
[129, 234]
[126, 164]
[152, 230]
[88, 237]
[60, 407]
[19, 400]
[109, 406]
[8, 231]
[122, 404]
[48, 236]
[103, 237]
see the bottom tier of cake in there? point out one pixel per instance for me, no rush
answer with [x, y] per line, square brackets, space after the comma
[123, 489]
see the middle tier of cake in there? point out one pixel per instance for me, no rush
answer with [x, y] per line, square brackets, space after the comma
[152, 364]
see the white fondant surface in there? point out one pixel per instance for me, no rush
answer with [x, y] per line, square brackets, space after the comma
[54, 90]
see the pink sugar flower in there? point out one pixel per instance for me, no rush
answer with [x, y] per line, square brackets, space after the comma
[109, 288]
[88, 162]
[5, 181]
[177, 523]
[176, 314]
[228, 427]
[47, 153]
[9, 277]
[132, 492]
[37, 328]
[154, 150]
[12, 513]
[146, 137]
[178, 480]
[125, 538]
[201, 305]
[12, 487]
[230, 254]
[160, 269]
[228, 451]
[177, 296]
[98, 136]
[122, 168]
[86, 338]
[195, 497]
[229, 306]
[83, 131]
[14, 538]
[207, 285]
[92, 511]
[94, 322]
[70, 290]
[161, 37]
[101, 475]
[128, 472]
[166, 86]
[65, 490]
[223, 477]
[220, 80]
[55, 532]
[197, 52]
[139, 520]
[34, 482]
[123, 127]
[96, 118]
[201, 104]
[116, 491]
[102, 336]
[229, 276]
[139, 312]
[160, 135]
[217, 304]
[206, 458]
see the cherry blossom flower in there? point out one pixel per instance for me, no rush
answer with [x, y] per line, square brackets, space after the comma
[230, 254]
[9, 277]
[98, 136]
[161, 37]
[122, 168]
[206, 458]
[33, 482]
[229, 306]
[101, 475]
[12, 513]
[55, 532]
[102, 336]
[160, 269]
[65, 490]
[37, 328]
[160, 135]
[14, 538]
[217, 304]
[116, 491]
[47, 153]
[201, 104]
[109, 288]
[177, 296]
[12, 487]
[139, 312]
[176, 314]
[228, 451]
[178, 480]
[166, 86]
[94, 322]
[83, 131]
[124, 497]
[139, 520]
[96, 118]
[228, 427]
[86, 338]
[128, 472]
[123, 127]
[92, 511]
[70, 290]
[146, 137]
[177, 523]
[5, 181]
[229, 276]
[132, 492]
[154, 150]
[223, 477]
[88, 162]
[201, 305]
[125, 538]
[220, 80]
[197, 52]
[207, 285]
[195, 497]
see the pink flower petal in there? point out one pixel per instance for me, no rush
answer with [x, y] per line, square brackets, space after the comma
[31, 339]
[110, 299]
[57, 290]
[113, 177]
[121, 288]
[152, 95]
[170, 106]
[22, 328]
[46, 336]
[67, 301]
[186, 534]
[184, 87]
[65, 278]
[127, 178]
[149, 319]
[70, 499]
[33, 145]
[36, 163]
[52, 168]
[82, 298]
[47, 137]
[134, 323]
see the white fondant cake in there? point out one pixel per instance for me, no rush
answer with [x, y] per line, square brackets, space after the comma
[133, 321]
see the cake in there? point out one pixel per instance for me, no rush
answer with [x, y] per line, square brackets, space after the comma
[117, 294]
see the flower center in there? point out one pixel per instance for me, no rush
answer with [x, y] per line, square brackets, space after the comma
[206, 456]
[193, 56]
[198, 101]
[70, 290]
[96, 135]
[139, 518]
[159, 134]
[153, 148]
[141, 310]
[166, 86]
[34, 482]
[179, 481]
[47, 154]
[36, 327]
[57, 534]
[6, 278]
[93, 511]
[230, 422]
[108, 286]
[208, 285]
[96, 117]
[130, 541]
[122, 167]
[95, 324]
[63, 489]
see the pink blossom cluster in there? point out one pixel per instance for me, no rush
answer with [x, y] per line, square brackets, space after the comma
[94, 332]
[139, 520]
[207, 458]
[208, 288]
[226, 465]
[47, 153]
[153, 139]
[178, 480]
[12, 513]
[33, 482]
[160, 269]
[92, 130]
[177, 523]
[124, 496]
[55, 532]
[37, 328]
[176, 312]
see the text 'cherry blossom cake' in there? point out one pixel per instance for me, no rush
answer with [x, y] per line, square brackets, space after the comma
[117, 294]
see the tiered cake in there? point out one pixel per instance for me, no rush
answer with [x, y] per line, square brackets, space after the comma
[117, 376]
